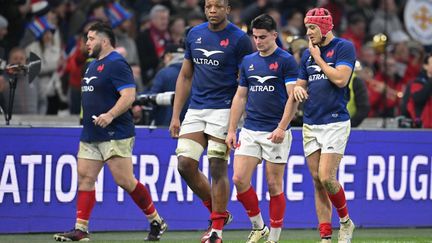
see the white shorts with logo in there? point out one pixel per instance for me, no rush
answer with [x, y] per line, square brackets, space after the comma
[330, 138]
[256, 144]
[102, 151]
[213, 122]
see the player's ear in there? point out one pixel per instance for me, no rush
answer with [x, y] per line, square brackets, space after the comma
[228, 9]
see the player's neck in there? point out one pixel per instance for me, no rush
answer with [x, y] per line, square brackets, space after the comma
[328, 39]
[269, 51]
[105, 52]
[218, 27]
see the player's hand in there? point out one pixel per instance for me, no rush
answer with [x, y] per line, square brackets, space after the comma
[300, 94]
[277, 136]
[103, 120]
[231, 140]
[314, 50]
[174, 127]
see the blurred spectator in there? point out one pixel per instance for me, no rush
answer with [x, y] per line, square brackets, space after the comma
[3, 29]
[358, 104]
[408, 65]
[121, 23]
[39, 8]
[254, 9]
[337, 10]
[16, 12]
[165, 80]
[365, 8]
[356, 30]
[151, 42]
[97, 11]
[177, 27]
[58, 8]
[386, 18]
[297, 48]
[193, 19]
[48, 81]
[419, 105]
[385, 89]
[295, 25]
[26, 95]
[187, 7]
[368, 59]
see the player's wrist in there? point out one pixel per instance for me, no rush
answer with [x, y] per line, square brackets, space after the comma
[281, 128]
[111, 114]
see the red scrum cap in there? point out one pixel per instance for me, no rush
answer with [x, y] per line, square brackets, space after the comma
[320, 17]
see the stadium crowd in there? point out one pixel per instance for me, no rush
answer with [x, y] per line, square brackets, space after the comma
[389, 59]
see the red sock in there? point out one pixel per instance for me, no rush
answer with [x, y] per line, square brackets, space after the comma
[277, 210]
[218, 219]
[249, 200]
[339, 202]
[325, 230]
[85, 203]
[142, 198]
[208, 204]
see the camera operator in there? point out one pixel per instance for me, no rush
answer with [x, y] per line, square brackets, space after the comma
[147, 111]
[26, 96]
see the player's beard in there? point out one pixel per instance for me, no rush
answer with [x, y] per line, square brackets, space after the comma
[96, 51]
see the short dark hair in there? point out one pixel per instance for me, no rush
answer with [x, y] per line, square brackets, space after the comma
[226, 2]
[102, 28]
[264, 21]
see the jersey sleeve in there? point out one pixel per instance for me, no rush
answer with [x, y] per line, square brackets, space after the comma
[243, 79]
[302, 70]
[121, 75]
[244, 47]
[346, 55]
[291, 71]
[188, 54]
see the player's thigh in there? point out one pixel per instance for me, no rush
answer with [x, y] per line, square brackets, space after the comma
[90, 161]
[193, 122]
[118, 154]
[216, 121]
[276, 152]
[248, 145]
[310, 139]
[313, 161]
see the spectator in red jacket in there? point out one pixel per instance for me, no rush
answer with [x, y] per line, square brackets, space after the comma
[420, 102]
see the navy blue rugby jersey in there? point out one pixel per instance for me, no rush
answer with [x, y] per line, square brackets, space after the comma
[216, 58]
[100, 87]
[327, 102]
[266, 79]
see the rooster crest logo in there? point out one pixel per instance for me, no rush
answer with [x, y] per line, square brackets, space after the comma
[330, 53]
[100, 68]
[274, 66]
[224, 43]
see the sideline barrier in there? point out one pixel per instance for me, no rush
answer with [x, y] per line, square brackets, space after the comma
[387, 176]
